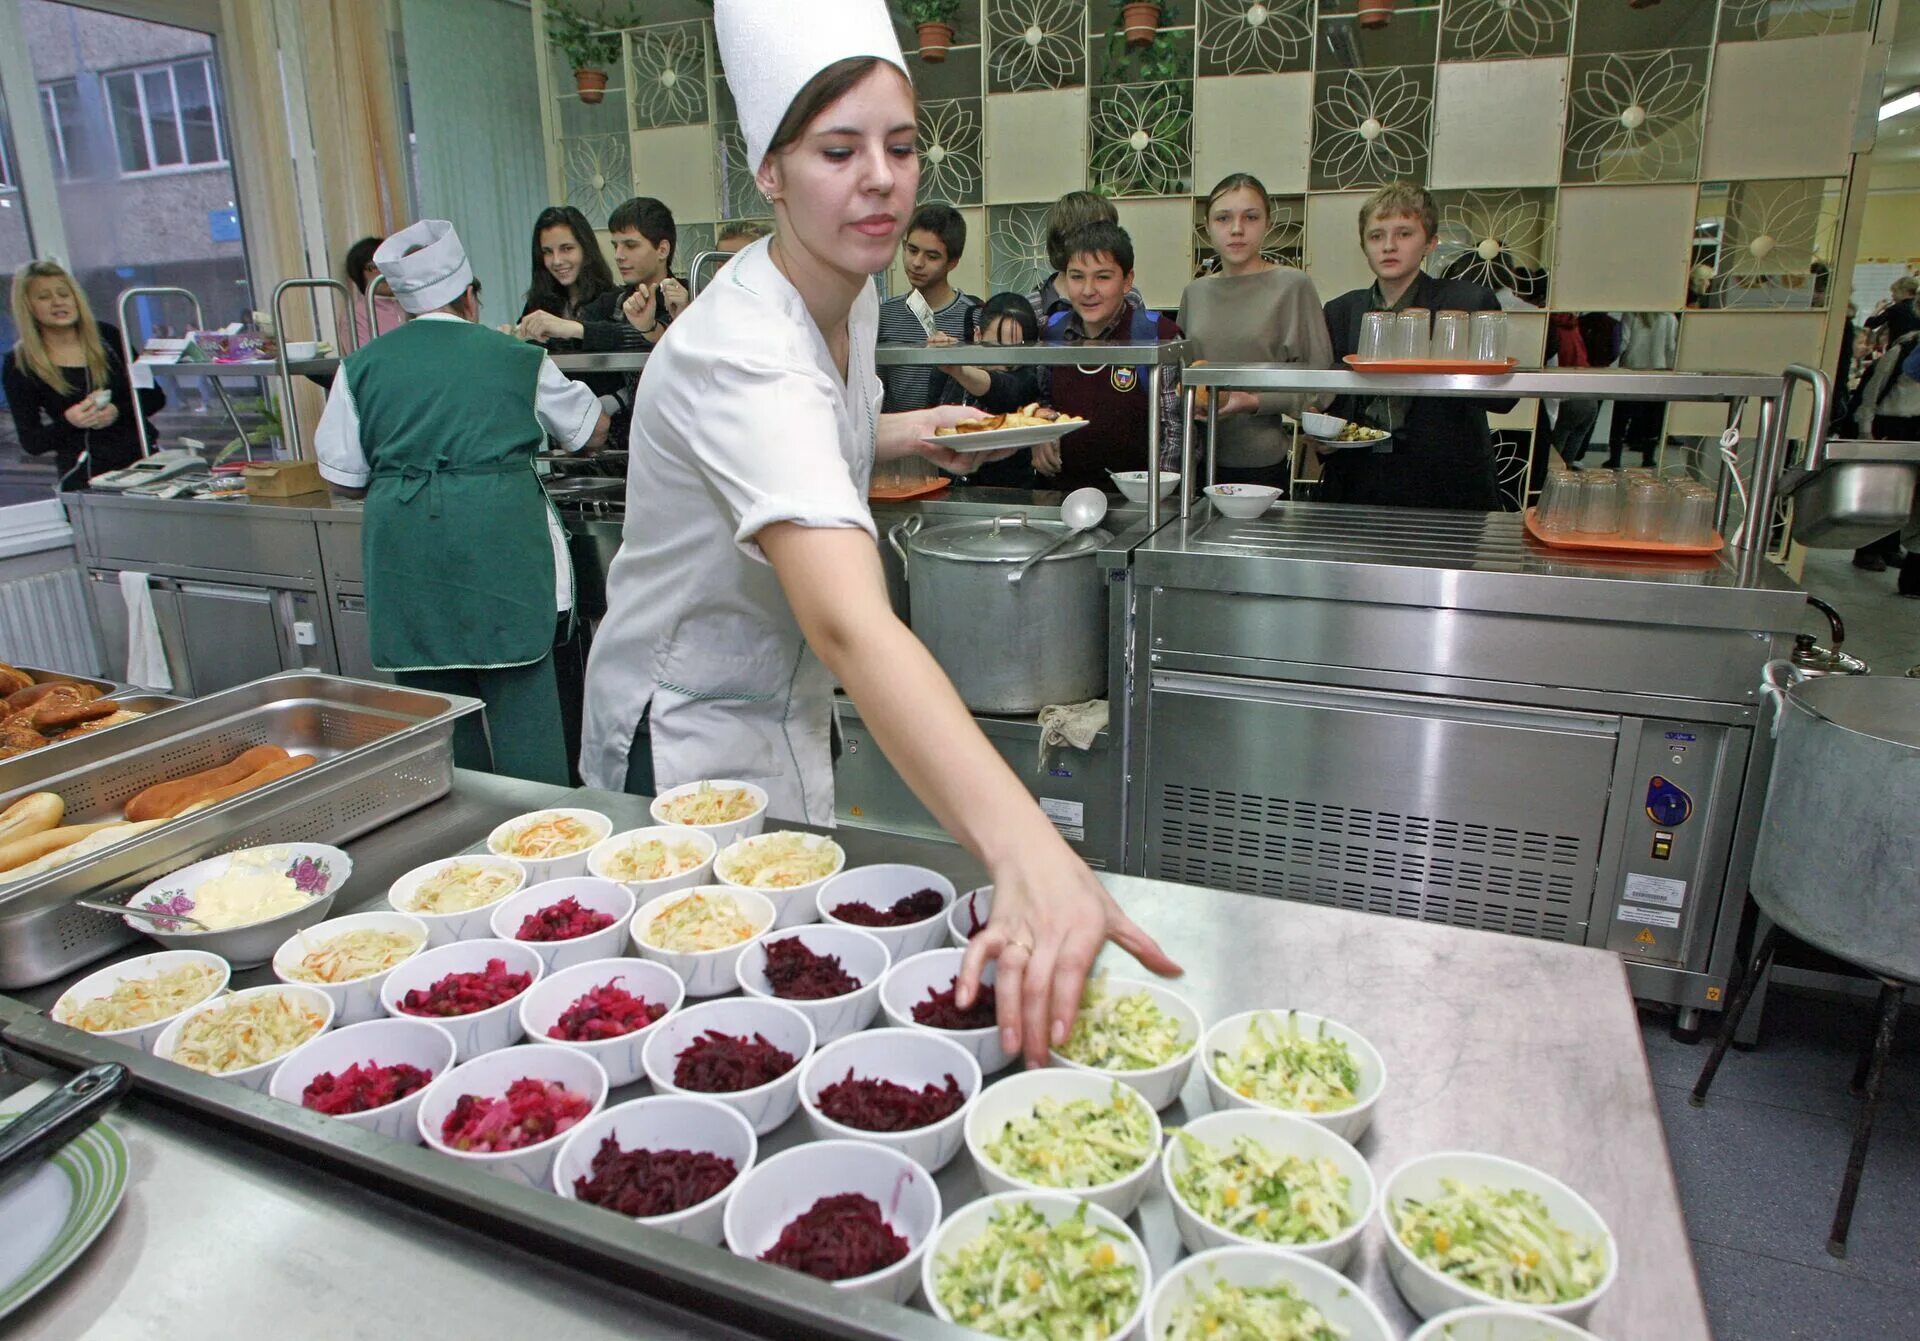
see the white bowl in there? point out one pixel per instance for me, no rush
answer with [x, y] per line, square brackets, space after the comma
[1016, 1096]
[298, 350]
[420, 1043]
[1327, 1290]
[484, 1030]
[1158, 1085]
[1242, 501]
[1324, 426]
[765, 1106]
[730, 831]
[1429, 1292]
[245, 947]
[541, 869]
[643, 890]
[974, 905]
[1350, 1123]
[253, 1077]
[778, 1191]
[970, 1222]
[881, 887]
[542, 1005]
[909, 981]
[796, 904]
[530, 1166]
[1282, 1133]
[101, 982]
[1502, 1323]
[446, 928]
[665, 1122]
[358, 1000]
[861, 955]
[915, 1058]
[590, 892]
[1135, 483]
[705, 972]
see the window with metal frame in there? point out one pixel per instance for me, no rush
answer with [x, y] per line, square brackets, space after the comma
[60, 111]
[165, 117]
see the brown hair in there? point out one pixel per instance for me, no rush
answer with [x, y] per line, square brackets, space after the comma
[1239, 181]
[1071, 213]
[821, 92]
[1906, 286]
[30, 353]
[1398, 198]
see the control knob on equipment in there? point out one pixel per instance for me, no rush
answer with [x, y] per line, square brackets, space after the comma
[1667, 805]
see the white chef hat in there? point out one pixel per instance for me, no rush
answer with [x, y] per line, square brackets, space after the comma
[771, 48]
[425, 265]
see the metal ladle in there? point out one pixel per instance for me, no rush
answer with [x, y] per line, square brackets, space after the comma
[1082, 510]
[146, 914]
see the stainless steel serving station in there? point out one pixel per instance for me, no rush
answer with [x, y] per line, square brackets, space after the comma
[323, 1227]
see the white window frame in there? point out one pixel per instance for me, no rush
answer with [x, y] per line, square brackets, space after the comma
[138, 73]
[7, 182]
[50, 114]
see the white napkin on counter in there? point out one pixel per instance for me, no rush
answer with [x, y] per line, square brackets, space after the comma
[146, 654]
[1075, 724]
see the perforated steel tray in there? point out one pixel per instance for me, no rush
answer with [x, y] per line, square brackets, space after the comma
[383, 752]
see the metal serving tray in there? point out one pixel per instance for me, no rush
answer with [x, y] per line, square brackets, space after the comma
[38, 675]
[383, 752]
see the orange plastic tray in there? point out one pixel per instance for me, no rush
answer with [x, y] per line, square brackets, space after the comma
[1614, 543]
[895, 492]
[1475, 366]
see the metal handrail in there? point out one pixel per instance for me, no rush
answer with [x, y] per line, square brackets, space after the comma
[349, 340]
[126, 354]
[700, 258]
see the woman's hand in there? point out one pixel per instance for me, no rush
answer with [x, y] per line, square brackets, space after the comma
[84, 414]
[905, 434]
[541, 327]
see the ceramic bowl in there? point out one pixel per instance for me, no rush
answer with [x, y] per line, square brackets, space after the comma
[1323, 426]
[1502, 1323]
[1429, 1292]
[880, 887]
[793, 905]
[765, 1106]
[1158, 1085]
[601, 861]
[862, 956]
[705, 972]
[542, 1005]
[1349, 1123]
[725, 832]
[776, 1192]
[1348, 1309]
[1135, 484]
[1283, 1134]
[910, 980]
[446, 928]
[1015, 1097]
[970, 1222]
[540, 869]
[665, 1122]
[256, 1077]
[490, 1075]
[319, 870]
[484, 1030]
[590, 892]
[420, 1043]
[970, 909]
[357, 1000]
[1242, 501]
[915, 1058]
[101, 982]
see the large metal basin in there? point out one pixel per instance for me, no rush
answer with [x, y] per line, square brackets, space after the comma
[1865, 491]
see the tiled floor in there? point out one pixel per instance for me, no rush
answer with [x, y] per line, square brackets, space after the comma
[1883, 627]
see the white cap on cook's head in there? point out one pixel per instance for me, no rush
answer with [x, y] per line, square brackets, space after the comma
[771, 48]
[425, 265]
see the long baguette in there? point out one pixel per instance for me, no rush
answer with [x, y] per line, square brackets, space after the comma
[166, 799]
[23, 850]
[102, 836]
[31, 814]
[285, 768]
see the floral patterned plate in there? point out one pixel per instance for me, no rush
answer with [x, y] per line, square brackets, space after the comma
[317, 871]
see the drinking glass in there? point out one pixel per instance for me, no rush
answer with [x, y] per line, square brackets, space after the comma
[1645, 512]
[1559, 501]
[1376, 335]
[1452, 335]
[1599, 503]
[1691, 518]
[1412, 333]
[1488, 337]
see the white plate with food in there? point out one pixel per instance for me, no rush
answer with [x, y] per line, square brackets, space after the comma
[1029, 426]
[1330, 433]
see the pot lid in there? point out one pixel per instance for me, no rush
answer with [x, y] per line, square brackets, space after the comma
[1885, 707]
[1006, 539]
[1811, 656]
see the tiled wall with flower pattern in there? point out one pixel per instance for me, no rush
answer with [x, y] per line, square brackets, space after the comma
[1688, 155]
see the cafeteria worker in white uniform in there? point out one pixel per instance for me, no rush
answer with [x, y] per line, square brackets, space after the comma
[748, 580]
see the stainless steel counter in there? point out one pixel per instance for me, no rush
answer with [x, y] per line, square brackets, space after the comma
[1498, 1043]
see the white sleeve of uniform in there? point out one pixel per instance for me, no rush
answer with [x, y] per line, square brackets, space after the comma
[568, 411]
[336, 442]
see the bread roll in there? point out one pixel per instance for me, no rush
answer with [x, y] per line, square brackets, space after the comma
[30, 815]
[285, 768]
[165, 799]
[99, 836]
[23, 850]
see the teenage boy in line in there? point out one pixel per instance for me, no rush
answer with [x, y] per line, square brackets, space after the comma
[1441, 455]
[933, 308]
[1114, 401]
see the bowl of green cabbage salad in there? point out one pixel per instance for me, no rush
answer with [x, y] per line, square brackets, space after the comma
[1260, 1294]
[1248, 1176]
[1056, 1130]
[1136, 1032]
[1038, 1268]
[1297, 1063]
[1467, 1228]
[1499, 1322]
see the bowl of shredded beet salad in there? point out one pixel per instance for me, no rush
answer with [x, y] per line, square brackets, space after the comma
[469, 988]
[905, 1089]
[902, 905]
[372, 1075]
[745, 1052]
[700, 932]
[568, 921]
[604, 1009]
[670, 1162]
[922, 993]
[831, 975]
[968, 916]
[508, 1112]
[1055, 1130]
[855, 1215]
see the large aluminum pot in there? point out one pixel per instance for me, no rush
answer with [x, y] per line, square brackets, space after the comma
[1838, 863]
[1009, 647]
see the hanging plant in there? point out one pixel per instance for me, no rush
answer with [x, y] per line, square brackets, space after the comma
[933, 21]
[1140, 21]
[1162, 59]
[1376, 13]
[585, 48]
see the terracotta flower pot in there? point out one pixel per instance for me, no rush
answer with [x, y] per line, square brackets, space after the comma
[591, 83]
[1141, 21]
[1375, 13]
[935, 38]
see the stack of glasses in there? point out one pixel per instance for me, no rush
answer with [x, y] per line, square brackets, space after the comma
[1633, 505]
[1417, 333]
